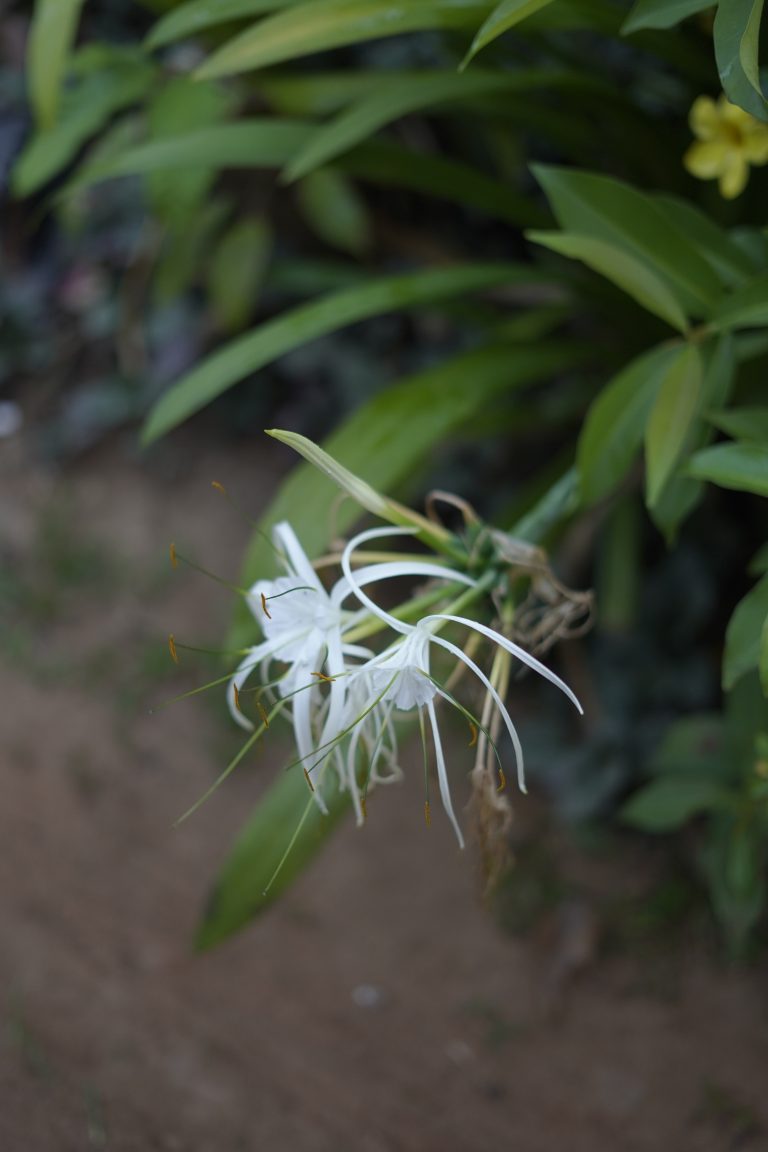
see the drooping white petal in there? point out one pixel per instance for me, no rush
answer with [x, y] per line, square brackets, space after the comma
[254, 658]
[514, 649]
[442, 775]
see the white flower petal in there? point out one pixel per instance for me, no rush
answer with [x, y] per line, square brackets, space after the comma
[442, 775]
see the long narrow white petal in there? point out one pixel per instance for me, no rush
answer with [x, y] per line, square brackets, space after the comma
[457, 652]
[288, 542]
[241, 674]
[390, 569]
[442, 775]
[302, 731]
[337, 689]
[514, 649]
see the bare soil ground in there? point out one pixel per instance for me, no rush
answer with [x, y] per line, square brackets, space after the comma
[379, 1007]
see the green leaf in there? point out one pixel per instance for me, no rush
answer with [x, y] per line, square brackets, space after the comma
[192, 18]
[725, 257]
[662, 13]
[669, 802]
[316, 318]
[747, 307]
[671, 418]
[630, 274]
[613, 429]
[237, 269]
[85, 109]
[401, 95]
[736, 37]
[335, 211]
[388, 439]
[51, 36]
[759, 562]
[743, 634]
[740, 466]
[239, 892]
[322, 24]
[618, 214]
[503, 17]
[763, 661]
[742, 423]
[694, 745]
[734, 859]
[681, 494]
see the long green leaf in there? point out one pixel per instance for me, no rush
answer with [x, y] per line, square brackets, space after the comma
[616, 213]
[292, 329]
[744, 634]
[628, 273]
[240, 891]
[740, 466]
[400, 96]
[671, 801]
[51, 35]
[747, 307]
[671, 419]
[614, 427]
[743, 423]
[736, 36]
[661, 13]
[322, 24]
[192, 18]
[725, 257]
[503, 17]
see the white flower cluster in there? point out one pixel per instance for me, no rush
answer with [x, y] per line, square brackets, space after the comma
[340, 695]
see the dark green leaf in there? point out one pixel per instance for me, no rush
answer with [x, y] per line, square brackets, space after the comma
[335, 211]
[618, 214]
[662, 13]
[742, 423]
[615, 424]
[693, 745]
[504, 16]
[633, 276]
[736, 36]
[51, 35]
[740, 466]
[236, 273]
[671, 419]
[669, 802]
[196, 16]
[743, 634]
[239, 892]
[747, 307]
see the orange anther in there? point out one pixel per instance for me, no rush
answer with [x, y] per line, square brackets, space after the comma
[364, 807]
[473, 730]
[264, 606]
[427, 813]
[174, 557]
[236, 692]
[322, 676]
[263, 713]
[172, 649]
[306, 777]
[219, 487]
[502, 781]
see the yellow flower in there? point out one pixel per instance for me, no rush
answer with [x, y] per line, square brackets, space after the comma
[729, 140]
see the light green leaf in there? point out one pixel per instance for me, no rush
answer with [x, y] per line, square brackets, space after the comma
[740, 466]
[399, 96]
[747, 307]
[237, 269]
[725, 257]
[287, 810]
[389, 439]
[618, 214]
[630, 274]
[322, 24]
[503, 17]
[744, 634]
[192, 18]
[292, 329]
[671, 418]
[51, 36]
[335, 211]
[694, 745]
[736, 37]
[742, 423]
[662, 13]
[669, 802]
[614, 426]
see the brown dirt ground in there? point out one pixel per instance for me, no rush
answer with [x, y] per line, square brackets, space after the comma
[115, 1035]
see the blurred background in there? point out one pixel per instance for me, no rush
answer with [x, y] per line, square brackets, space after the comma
[610, 991]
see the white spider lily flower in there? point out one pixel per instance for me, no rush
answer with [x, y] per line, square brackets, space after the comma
[303, 628]
[403, 669]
